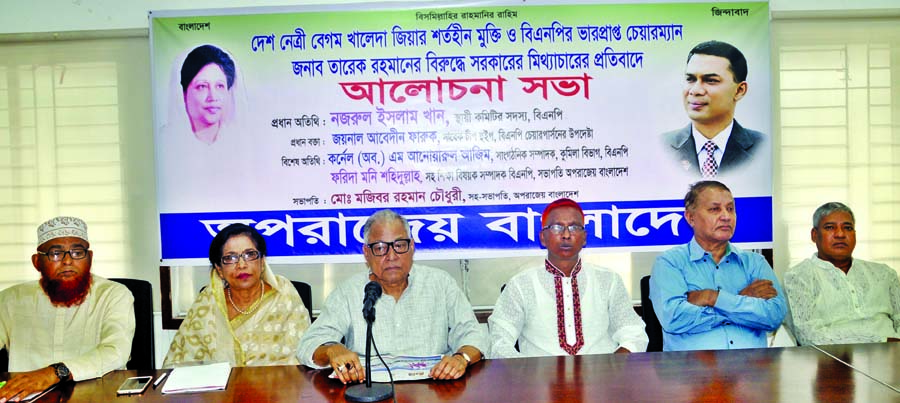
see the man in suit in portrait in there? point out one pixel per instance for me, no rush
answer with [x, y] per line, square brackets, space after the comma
[713, 143]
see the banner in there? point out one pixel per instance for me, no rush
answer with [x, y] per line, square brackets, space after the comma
[467, 120]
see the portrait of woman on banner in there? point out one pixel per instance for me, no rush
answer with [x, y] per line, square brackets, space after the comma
[205, 124]
[206, 94]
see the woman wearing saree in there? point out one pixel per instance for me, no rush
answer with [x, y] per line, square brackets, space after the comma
[248, 316]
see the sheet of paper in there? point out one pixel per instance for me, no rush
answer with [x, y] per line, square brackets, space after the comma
[198, 378]
[403, 367]
[37, 395]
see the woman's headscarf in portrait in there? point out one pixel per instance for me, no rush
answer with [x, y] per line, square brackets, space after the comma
[178, 122]
[189, 171]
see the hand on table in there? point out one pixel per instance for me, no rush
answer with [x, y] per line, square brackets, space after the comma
[452, 366]
[26, 383]
[346, 364]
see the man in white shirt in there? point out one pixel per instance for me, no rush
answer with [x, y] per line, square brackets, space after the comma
[564, 307]
[70, 324]
[422, 312]
[836, 299]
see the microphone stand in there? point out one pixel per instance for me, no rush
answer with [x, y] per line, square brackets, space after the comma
[368, 392]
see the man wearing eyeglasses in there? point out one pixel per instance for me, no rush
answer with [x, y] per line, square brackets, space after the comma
[708, 294]
[422, 311]
[70, 324]
[565, 306]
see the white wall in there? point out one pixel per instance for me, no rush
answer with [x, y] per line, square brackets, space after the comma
[49, 16]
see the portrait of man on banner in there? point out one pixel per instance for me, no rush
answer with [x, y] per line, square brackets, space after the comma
[714, 143]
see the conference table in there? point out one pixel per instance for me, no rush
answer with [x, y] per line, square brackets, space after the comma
[793, 374]
[878, 361]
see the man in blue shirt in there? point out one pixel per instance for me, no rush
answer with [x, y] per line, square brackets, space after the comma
[708, 294]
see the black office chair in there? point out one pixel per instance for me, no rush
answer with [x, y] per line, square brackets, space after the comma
[4, 361]
[651, 322]
[305, 292]
[143, 346]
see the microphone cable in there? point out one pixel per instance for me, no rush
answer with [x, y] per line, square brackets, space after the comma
[390, 376]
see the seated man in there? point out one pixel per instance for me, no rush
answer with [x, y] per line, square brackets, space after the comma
[597, 315]
[422, 312]
[708, 294]
[836, 299]
[68, 325]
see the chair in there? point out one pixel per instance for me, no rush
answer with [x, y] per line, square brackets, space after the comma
[4, 361]
[143, 346]
[651, 322]
[305, 292]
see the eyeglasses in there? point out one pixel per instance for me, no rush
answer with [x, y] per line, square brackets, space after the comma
[400, 246]
[57, 255]
[248, 256]
[559, 228]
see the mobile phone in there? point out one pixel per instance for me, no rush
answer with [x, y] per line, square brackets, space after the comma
[134, 385]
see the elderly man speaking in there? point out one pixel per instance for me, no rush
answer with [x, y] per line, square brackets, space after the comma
[423, 311]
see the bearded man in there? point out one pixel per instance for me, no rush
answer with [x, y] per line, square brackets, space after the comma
[70, 324]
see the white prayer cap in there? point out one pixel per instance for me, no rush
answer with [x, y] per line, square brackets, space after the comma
[60, 227]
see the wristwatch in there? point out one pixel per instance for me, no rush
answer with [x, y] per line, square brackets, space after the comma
[62, 371]
[465, 357]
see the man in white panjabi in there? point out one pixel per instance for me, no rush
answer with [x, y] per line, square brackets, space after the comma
[70, 324]
[565, 306]
[836, 298]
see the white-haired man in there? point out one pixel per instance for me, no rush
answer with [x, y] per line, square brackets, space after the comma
[422, 312]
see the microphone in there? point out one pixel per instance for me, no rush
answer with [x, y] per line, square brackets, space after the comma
[368, 392]
[372, 293]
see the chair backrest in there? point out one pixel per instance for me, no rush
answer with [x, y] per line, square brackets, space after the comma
[143, 346]
[651, 322]
[305, 292]
[4, 360]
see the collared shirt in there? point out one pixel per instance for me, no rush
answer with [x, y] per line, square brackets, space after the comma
[527, 311]
[416, 324]
[830, 307]
[92, 338]
[720, 140]
[735, 321]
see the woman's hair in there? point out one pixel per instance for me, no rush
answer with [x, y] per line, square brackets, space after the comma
[201, 56]
[215, 248]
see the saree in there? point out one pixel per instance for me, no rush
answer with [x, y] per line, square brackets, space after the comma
[269, 335]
